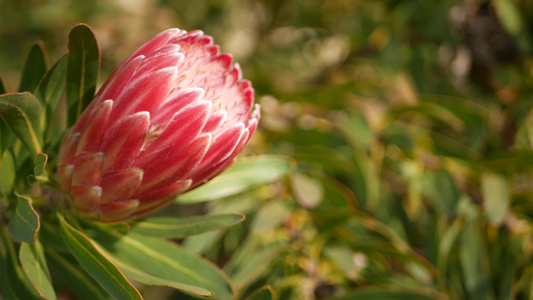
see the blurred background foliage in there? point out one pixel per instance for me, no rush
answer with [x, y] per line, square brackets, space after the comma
[410, 124]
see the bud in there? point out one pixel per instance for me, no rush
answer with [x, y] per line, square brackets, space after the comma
[171, 117]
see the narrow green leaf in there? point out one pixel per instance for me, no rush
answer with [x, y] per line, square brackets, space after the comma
[164, 260]
[40, 164]
[141, 276]
[36, 272]
[241, 176]
[49, 90]
[20, 112]
[7, 173]
[170, 227]
[79, 281]
[34, 68]
[24, 224]
[107, 274]
[471, 253]
[495, 196]
[264, 293]
[82, 70]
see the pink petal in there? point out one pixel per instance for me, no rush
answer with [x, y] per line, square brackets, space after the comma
[215, 121]
[207, 174]
[119, 79]
[176, 102]
[120, 185]
[154, 199]
[123, 141]
[118, 210]
[93, 132]
[167, 56]
[223, 146]
[67, 150]
[157, 41]
[180, 132]
[145, 93]
[87, 168]
[86, 197]
[174, 167]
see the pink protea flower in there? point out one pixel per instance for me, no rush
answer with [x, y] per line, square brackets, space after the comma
[171, 117]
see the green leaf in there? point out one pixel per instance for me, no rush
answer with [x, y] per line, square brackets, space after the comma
[471, 254]
[163, 260]
[242, 176]
[170, 227]
[264, 293]
[107, 274]
[36, 272]
[40, 164]
[7, 173]
[79, 281]
[509, 15]
[146, 278]
[82, 70]
[24, 224]
[34, 68]
[20, 112]
[49, 90]
[308, 191]
[496, 197]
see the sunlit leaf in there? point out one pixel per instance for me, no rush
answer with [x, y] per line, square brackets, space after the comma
[102, 270]
[146, 278]
[82, 70]
[308, 191]
[509, 15]
[24, 224]
[170, 227]
[36, 272]
[34, 68]
[243, 175]
[164, 260]
[20, 112]
[270, 215]
[496, 197]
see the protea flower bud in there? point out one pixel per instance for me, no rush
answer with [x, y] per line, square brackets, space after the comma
[171, 117]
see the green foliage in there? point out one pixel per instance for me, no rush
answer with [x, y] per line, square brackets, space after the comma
[82, 70]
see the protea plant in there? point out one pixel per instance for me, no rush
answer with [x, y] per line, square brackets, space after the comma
[171, 117]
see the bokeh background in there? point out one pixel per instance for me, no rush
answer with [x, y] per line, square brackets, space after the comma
[410, 124]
